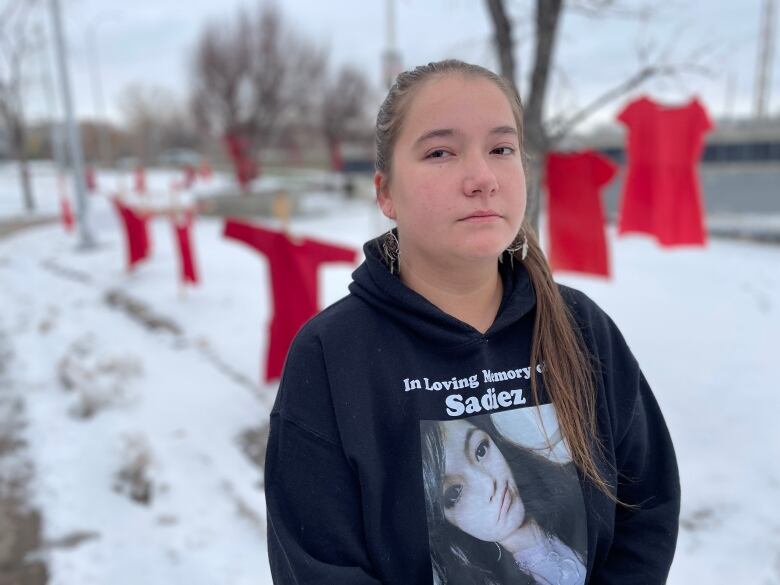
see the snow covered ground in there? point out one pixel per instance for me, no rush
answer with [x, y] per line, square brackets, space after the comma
[142, 438]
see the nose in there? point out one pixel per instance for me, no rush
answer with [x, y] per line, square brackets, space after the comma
[483, 483]
[479, 177]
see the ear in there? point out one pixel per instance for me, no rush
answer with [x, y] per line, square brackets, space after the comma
[383, 195]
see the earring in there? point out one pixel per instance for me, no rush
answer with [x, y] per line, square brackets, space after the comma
[499, 551]
[391, 251]
[517, 245]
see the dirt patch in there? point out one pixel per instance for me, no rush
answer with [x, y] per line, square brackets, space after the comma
[700, 520]
[143, 314]
[20, 525]
[63, 271]
[253, 443]
[140, 312]
[132, 478]
[97, 381]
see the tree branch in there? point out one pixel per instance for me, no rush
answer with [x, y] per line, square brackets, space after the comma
[644, 74]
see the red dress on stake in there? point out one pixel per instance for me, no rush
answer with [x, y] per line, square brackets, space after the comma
[90, 179]
[66, 213]
[661, 195]
[575, 213]
[293, 282]
[136, 233]
[182, 227]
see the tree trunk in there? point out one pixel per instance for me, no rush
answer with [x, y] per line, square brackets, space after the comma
[27, 192]
[548, 14]
[503, 39]
[18, 139]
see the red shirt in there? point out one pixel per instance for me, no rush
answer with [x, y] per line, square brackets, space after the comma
[293, 282]
[575, 213]
[661, 194]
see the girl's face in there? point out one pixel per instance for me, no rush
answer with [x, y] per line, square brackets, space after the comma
[479, 494]
[457, 186]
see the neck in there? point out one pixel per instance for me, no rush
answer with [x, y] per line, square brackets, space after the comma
[527, 535]
[470, 292]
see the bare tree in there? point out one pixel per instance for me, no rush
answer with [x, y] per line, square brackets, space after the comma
[544, 135]
[155, 120]
[253, 76]
[17, 43]
[343, 106]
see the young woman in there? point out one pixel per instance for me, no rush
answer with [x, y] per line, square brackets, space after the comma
[452, 320]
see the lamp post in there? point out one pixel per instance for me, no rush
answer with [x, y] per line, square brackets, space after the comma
[87, 241]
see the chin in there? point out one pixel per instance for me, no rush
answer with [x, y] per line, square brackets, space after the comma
[485, 247]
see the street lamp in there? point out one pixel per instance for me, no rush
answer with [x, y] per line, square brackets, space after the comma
[87, 240]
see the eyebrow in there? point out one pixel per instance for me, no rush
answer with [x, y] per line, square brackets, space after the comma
[447, 132]
[466, 449]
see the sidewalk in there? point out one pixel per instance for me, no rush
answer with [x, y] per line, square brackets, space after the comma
[9, 225]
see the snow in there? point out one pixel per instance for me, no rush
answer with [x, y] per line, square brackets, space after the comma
[173, 408]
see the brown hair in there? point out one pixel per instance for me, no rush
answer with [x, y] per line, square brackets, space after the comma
[569, 374]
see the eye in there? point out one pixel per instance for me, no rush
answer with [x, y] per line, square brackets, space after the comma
[482, 449]
[503, 150]
[452, 495]
[440, 153]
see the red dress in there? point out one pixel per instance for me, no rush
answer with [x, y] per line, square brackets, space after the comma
[182, 228]
[661, 194]
[136, 233]
[575, 213]
[293, 282]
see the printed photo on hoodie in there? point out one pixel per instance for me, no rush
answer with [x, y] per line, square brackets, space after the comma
[503, 500]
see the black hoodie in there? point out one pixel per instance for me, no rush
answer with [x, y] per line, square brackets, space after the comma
[405, 448]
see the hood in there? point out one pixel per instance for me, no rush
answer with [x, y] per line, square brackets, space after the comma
[373, 284]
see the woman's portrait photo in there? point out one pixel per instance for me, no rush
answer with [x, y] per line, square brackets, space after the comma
[500, 510]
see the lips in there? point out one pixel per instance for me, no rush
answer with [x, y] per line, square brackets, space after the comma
[482, 214]
[506, 502]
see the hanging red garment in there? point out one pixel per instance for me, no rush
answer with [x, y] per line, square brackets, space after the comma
[90, 179]
[136, 233]
[139, 177]
[190, 174]
[336, 159]
[244, 164]
[205, 171]
[661, 194]
[293, 281]
[66, 213]
[575, 213]
[182, 227]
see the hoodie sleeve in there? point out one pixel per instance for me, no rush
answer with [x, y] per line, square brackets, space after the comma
[315, 527]
[645, 534]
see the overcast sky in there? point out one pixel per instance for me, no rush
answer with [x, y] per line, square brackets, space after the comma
[151, 42]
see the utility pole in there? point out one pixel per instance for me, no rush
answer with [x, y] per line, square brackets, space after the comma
[87, 241]
[764, 64]
[391, 58]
